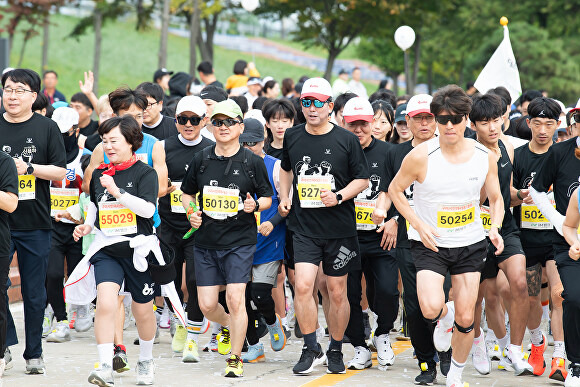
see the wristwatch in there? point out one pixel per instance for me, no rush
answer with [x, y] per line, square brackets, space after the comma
[338, 197]
[396, 218]
[121, 191]
[29, 169]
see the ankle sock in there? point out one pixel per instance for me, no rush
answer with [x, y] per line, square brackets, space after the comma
[193, 329]
[310, 341]
[536, 336]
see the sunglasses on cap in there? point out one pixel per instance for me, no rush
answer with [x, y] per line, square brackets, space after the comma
[455, 119]
[195, 120]
[249, 143]
[308, 102]
[228, 122]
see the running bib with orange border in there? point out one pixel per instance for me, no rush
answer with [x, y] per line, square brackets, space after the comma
[309, 189]
[257, 216]
[62, 198]
[364, 210]
[116, 219]
[26, 187]
[142, 157]
[485, 216]
[533, 219]
[220, 203]
[455, 216]
[175, 199]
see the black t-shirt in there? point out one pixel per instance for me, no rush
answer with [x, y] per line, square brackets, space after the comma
[561, 170]
[527, 164]
[178, 157]
[8, 183]
[165, 129]
[139, 180]
[90, 129]
[274, 152]
[216, 83]
[470, 133]
[394, 160]
[336, 154]
[92, 141]
[231, 173]
[376, 155]
[39, 141]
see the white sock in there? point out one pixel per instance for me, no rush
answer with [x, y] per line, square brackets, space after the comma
[490, 336]
[145, 349]
[215, 328]
[285, 321]
[516, 352]
[105, 353]
[456, 369]
[546, 312]
[194, 329]
[536, 336]
[480, 339]
[559, 350]
[503, 342]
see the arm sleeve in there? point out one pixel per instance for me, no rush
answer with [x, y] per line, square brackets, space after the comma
[91, 214]
[276, 219]
[140, 207]
[541, 200]
[143, 204]
[56, 153]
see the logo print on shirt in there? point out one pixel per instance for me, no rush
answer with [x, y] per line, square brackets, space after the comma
[29, 140]
[236, 171]
[186, 166]
[343, 258]
[374, 165]
[506, 163]
[7, 148]
[130, 184]
[148, 290]
[327, 151]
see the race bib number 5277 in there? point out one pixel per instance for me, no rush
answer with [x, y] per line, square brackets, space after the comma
[309, 188]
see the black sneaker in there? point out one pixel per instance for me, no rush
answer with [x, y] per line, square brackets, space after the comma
[335, 362]
[120, 361]
[428, 375]
[308, 360]
[297, 331]
[444, 361]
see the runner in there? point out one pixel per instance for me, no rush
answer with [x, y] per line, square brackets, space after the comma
[179, 149]
[401, 133]
[279, 115]
[536, 237]
[211, 95]
[326, 167]
[445, 230]
[226, 176]
[35, 144]
[155, 123]
[379, 265]
[383, 120]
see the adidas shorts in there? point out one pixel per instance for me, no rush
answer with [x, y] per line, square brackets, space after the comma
[338, 256]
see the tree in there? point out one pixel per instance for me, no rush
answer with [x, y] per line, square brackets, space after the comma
[164, 34]
[384, 53]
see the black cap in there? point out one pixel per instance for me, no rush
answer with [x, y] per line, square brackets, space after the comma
[253, 131]
[342, 71]
[401, 112]
[160, 73]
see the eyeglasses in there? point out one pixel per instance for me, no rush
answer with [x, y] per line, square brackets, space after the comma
[317, 103]
[249, 143]
[195, 120]
[19, 91]
[418, 119]
[455, 119]
[228, 122]
[150, 105]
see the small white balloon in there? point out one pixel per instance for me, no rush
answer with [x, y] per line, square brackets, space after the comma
[250, 5]
[404, 37]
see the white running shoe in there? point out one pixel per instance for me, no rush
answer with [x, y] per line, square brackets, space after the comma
[60, 333]
[47, 322]
[443, 332]
[145, 372]
[455, 381]
[361, 360]
[128, 317]
[480, 358]
[493, 350]
[102, 376]
[212, 344]
[84, 319]
[573, 378]
[385, 354]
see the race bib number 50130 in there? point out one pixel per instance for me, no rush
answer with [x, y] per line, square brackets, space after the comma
[220, 203]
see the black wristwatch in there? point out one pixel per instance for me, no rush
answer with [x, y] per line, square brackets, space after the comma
[30, 169]
[338, 197]
[257, 208]
[121, 191]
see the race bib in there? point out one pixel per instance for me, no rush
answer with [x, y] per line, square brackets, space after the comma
[406, 221]
[116, 219]
[309, 188]
[220, 203]
[257, 216]
[175, 199]
[533, 219]
[454, 217]
[364, 210]
[62, 198]
[485, 216]
[26, 187]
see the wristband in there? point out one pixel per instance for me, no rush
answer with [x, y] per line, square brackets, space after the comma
[518, 195]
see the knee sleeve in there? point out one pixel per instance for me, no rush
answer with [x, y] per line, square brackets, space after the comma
[557, 295]
[261, 294]
[464, 329]
[434, 321]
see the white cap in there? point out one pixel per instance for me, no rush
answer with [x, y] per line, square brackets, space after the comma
[192, 104]
[318, 88]
[7, 69]
[577, 107]
[266, 80]
[65, 118]
[358, 109]
[420, 103]
[257, 115]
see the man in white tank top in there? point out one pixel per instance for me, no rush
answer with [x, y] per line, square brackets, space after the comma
[445, 230]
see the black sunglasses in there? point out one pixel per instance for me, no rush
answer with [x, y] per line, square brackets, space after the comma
[576, 117]
[249, 143]
[228, 122]
[455, 119]
[182, 120]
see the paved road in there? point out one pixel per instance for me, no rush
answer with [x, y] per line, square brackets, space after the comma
[69, 364]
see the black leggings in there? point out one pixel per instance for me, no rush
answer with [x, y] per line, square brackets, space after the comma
[261, 295]
[569, 271]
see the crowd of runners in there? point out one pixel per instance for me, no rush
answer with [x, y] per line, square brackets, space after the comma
[187, 205]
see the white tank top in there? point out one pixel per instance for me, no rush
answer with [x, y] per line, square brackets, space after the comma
[448, 198]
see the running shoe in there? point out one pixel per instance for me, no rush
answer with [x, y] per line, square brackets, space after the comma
[128, 317]
[35, 366]
[223, 341]
[234, 367]
[362, 359]
[335, 364]
[255, 354]
[73, 312]
[385, 354]
[444, 361]
[2, 368]
[428, 375]
[8, 359]
[277, 335]
[536, 359]
[367, 325]
[102, 375]
[47, 322]
[120, 361]
[558, 371]
[308, 360]
[493, 350]
[84, 319]
[573, 378]
[178, 341]
[190, 352]
[60, 333]
[480, 358]
[212, 344]
[442, 336]
[455, 381]
[515, 362]
[145, 372]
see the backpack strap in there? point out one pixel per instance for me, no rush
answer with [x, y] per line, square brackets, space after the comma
[206, 155]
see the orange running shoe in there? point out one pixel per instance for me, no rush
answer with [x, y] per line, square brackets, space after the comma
[559, 372]
[536, 359]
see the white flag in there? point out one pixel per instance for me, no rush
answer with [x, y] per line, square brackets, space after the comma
[501, 70]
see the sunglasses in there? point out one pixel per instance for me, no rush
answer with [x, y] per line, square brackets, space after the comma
[228, 122]
[182, 120]
[575, 118]
[249, 143]
[455, 119]
[308, 102]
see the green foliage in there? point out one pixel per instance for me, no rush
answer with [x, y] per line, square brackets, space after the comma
[109, 10]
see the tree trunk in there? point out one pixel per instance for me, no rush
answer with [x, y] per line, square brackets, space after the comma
[332, 55]
[26, 38]
[430, 77]
[98, 23]
[395, 77]
[201, 45]
[164, 35]
[417, 61]
[45, 42]
[193, 32]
